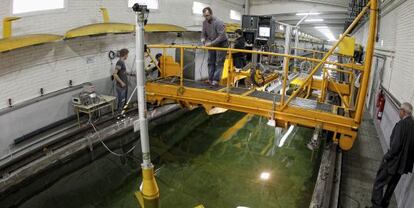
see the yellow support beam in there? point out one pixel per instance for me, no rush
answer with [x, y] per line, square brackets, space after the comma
[105, 15]
[368, 60]
[157, 92]
[7, 26]
[16, 42]
[155, 27]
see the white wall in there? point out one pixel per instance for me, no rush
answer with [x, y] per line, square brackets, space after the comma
[50, 66]
[396, 30]
[82, 12]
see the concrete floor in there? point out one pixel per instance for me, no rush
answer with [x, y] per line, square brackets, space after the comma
[359, 168]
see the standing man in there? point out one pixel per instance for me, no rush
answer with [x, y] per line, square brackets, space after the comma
[120, 76]
[214, 35]
[398, 160]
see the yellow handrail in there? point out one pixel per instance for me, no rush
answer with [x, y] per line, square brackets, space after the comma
[351, 27]
[352, 66]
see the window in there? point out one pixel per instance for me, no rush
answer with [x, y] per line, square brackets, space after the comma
[235, 15]
[26, 6]
[198, 7]
[151, 4]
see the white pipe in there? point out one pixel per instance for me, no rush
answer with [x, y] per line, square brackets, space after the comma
[246, 7]
[287, 38]
[297, 37]
[301, 20]
[287, 46]
[142, 105]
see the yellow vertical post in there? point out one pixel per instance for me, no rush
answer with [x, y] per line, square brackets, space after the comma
[285, 76]
[105, 15]
[368, 61]
[164, 55]
[7, 26]
[182, 66]
[229, 71]
[351, 94]
[323, 85]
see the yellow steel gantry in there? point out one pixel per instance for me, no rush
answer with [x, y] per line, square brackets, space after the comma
[286, 110]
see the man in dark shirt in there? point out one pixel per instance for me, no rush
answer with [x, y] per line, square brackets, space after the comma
[120, 76]
[398, 160]
[213, 34]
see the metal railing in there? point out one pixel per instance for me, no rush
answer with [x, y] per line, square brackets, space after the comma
[365, 69]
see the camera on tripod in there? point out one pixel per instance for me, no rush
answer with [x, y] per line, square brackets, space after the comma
[140, 8]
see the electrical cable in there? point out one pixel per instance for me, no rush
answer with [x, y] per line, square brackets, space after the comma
[107, 148]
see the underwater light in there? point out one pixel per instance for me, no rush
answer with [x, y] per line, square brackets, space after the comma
[265, 176]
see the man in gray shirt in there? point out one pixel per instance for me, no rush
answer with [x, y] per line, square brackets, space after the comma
[213, 34]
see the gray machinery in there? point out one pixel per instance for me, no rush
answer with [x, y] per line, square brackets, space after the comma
[87, 96]
[259, 33]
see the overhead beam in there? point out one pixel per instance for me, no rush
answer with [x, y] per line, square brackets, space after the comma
[293, 7]
[336, 4]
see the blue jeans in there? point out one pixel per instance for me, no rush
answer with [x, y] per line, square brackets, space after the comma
[121, 94]
[215, 64]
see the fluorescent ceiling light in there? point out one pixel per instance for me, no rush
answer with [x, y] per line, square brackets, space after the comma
[326, 32]
[314, 20]
[310, 13]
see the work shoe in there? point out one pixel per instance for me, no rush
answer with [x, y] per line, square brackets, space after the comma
[207, 82]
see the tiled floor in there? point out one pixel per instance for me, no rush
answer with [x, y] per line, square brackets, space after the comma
[359, 168]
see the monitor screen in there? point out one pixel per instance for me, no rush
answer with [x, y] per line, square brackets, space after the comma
[264, 32]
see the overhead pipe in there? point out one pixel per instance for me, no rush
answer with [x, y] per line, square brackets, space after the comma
[246, 7]
[297, 38]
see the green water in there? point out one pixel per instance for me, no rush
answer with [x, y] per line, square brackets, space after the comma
[193, 168]
[227, 174]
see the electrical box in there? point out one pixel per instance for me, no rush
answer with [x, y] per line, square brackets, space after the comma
[258, 30]
[347, 46]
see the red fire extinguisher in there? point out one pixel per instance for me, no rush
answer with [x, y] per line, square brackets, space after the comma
[380, 104]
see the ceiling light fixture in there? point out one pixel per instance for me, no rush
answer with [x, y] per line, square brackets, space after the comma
[326, 32]
[314, 20]
[309, 13]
